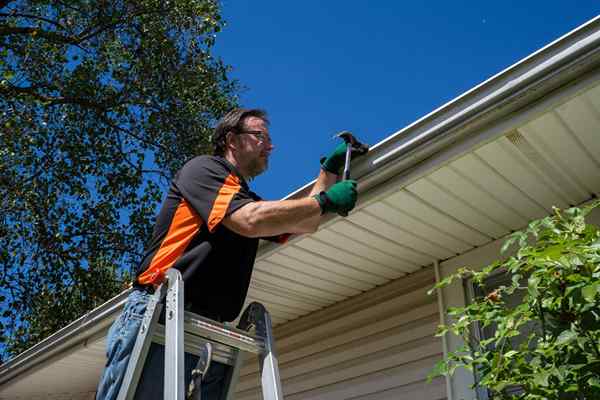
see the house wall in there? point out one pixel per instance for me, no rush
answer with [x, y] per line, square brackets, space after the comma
[378, 345]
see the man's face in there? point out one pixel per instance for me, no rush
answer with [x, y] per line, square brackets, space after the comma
[253, 147]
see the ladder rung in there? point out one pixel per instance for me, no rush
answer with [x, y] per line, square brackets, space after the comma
[193, 343]
[216, 332]
[196, 325]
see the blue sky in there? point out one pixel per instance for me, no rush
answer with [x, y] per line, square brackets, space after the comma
[372, 67]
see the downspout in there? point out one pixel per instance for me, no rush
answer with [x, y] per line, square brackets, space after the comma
[442, 311]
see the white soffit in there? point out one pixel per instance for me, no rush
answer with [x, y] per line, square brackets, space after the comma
[475, 198]
[73, 376]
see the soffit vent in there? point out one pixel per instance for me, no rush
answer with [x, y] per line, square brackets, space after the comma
[548, 172]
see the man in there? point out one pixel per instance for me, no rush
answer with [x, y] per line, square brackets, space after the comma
[209, 200]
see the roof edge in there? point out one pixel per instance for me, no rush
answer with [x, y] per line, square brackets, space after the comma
[77, 332]
[563, 61]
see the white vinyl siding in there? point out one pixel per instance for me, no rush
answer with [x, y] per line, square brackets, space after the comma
[379, 345]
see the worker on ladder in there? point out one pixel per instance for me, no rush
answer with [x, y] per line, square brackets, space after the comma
[209, 200]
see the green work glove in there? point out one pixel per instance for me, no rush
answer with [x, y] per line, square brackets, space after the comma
[335, 162]
[340, 198]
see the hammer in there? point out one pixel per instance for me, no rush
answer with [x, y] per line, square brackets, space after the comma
[352, 145]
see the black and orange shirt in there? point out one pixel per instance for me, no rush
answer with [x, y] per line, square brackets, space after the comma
[203, 192]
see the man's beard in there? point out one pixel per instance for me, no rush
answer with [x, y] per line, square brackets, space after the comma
[257, 166]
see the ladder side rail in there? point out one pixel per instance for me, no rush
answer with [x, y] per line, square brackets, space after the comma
[174, 352]
[141, 346]
[257, 315]
[233, 376]
[270, 379]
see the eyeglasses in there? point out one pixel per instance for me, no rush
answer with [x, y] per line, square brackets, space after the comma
[260, 135]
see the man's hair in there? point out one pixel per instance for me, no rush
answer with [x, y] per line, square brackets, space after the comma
[233, 121]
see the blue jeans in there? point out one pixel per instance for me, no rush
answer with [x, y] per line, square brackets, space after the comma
[119, 345]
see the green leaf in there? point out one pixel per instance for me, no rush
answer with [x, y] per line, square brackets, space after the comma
[541, 378]
[566, 337]
[511, 353]
[594, 382]
[509, 242]
[440, 369]
[589, 292]
[441, 330]
[532, 285]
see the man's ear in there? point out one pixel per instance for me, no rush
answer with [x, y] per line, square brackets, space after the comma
[231, 141]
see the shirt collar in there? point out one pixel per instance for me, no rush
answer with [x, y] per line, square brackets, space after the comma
[233, 169]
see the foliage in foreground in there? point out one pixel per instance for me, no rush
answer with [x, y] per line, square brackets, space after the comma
[100, 102]
[548, 346]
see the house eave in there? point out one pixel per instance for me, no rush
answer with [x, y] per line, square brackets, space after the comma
[69, 338]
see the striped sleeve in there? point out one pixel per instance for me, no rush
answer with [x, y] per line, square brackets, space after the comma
[211, 189]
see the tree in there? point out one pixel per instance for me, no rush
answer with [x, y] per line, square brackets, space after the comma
[101, 101]
[548, 346]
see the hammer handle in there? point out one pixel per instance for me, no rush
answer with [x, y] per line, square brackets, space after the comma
[346, 174]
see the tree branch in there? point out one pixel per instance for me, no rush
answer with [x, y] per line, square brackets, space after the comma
[98, 28]
[34, 17]
[136, 137]
[89, 32]
[32, 91]
[66, 5]
[28, 30]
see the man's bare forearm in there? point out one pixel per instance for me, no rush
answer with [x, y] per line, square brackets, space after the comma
[270, 218]
[323, 182]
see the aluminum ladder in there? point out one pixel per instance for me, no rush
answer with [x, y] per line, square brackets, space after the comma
[228, 344]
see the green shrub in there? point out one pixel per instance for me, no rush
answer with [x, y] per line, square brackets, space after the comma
[548, 345]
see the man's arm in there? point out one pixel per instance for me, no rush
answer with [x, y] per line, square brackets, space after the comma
[324, 181]
[271, 218]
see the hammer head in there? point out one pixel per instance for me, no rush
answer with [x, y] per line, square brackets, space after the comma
[357, 147]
